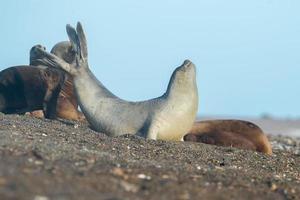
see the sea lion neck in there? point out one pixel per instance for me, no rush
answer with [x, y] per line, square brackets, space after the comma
[180, 86]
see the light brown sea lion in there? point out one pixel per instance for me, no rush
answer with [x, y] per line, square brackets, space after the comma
[235, 133]
[167, 117]
[67, 106]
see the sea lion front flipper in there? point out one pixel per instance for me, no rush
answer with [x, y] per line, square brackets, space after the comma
[151, 133]
[54, 61]
[79, 44]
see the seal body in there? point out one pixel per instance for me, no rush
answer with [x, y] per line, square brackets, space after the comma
[167, 117]
[235, 133]
[27, 88]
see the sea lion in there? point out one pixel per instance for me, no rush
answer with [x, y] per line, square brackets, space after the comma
[27, 88]
[67, 106]
[235, 133]
[167, 117]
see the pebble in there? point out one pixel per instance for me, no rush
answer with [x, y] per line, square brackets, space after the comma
[143, 176]
[2, 181]
[206, 184]
[38, 197]
[118, 171]
[273, 187]
[184, 196]
[38, 162]
[165, 176]
[128, 187]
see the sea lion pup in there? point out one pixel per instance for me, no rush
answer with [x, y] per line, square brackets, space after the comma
[167, 117]
[27, 88]
[67, 106]
[235, 133]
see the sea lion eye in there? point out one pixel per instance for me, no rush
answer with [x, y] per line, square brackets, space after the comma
[251, 125]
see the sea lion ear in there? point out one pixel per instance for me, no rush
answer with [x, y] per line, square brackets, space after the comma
[82, 40]
[73, 38]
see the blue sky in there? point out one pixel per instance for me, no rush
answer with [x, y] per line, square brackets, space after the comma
[247, 53]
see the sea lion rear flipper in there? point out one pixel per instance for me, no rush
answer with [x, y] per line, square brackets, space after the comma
[73, 37]
[79, 43]
[50, 99]
[151, 133]
[49, 106]
[82, 40]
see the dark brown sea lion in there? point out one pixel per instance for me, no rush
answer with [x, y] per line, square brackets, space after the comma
[27, 88]
[37, 86]
[235, 133]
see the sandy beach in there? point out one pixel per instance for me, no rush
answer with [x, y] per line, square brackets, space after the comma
[44, 159]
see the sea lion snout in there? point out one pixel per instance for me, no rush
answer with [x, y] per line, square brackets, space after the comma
[38, 49]
[187, 64]
[41, 47]
[35, 51]
[187, 67]
[38, 46]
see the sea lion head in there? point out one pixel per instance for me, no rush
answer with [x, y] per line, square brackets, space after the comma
[191, 137]
[183, 77]
[65, 51]
[36, 55]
